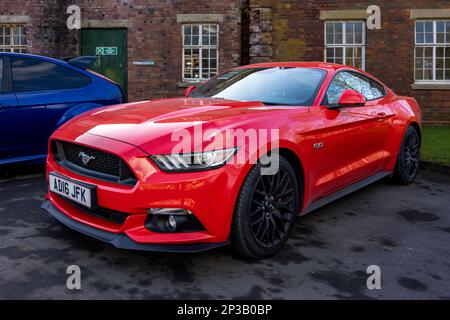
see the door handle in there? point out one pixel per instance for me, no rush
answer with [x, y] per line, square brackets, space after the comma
[378, 114]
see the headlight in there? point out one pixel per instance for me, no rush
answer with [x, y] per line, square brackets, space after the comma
[193, 161]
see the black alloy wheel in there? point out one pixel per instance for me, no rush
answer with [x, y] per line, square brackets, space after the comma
[272, 209]
[265, 211]
[408, 158]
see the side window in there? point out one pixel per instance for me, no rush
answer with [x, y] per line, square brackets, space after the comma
[377, 89]
[37, 75]
[1, 75]
[354, 81]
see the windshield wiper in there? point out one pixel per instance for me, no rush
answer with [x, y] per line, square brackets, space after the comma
[272, 103]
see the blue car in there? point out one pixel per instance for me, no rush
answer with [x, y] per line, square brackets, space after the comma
[38, 94]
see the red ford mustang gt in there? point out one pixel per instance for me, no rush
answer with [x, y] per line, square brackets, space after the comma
[232, 162]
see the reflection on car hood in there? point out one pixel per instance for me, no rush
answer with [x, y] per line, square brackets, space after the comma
[149, 124]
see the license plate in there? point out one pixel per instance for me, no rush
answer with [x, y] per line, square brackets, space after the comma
[78, 192]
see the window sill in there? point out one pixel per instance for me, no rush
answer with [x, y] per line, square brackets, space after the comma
[430, 86]
[5, 19]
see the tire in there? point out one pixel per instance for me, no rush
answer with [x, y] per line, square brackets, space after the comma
[408, 158]
[265, 211]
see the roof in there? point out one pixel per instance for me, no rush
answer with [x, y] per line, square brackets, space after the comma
[29, 55]
[333, 67]
[299, 64]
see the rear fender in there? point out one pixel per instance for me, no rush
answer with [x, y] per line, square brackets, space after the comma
[75, 111]
[408, 113]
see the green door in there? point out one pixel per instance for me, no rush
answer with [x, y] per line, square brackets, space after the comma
[110, 45]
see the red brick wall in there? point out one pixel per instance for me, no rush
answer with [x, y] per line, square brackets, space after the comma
[297, 33]
[279, 30]
[154, 35]
[47, 33]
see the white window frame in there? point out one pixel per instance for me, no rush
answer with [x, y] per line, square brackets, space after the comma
[344, 44]
[434, 45]
[20, 48]
[199, 47]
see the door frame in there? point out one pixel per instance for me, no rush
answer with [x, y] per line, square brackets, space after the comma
[107, 26]
[6, 76]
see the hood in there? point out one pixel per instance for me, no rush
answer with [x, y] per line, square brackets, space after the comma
[149, 125]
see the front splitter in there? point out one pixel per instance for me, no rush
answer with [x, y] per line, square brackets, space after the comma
[121, 240]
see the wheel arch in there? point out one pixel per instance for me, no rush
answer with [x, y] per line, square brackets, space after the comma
[76, 110]
[416, 126]
[297, 165]
[286, 150]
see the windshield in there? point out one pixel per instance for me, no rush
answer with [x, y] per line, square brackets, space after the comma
[273, 86]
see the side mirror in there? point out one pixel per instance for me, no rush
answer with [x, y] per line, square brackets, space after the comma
[189, 90]
[351, 98]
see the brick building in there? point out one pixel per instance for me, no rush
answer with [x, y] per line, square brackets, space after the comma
[157, 47]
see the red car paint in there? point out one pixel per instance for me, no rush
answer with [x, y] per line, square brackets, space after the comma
[357, 143]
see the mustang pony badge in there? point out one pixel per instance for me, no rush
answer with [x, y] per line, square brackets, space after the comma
[85, 158]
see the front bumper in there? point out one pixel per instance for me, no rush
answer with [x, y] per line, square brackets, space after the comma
[209, 195]
[121, 240]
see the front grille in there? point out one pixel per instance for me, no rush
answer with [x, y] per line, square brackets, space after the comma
[102, 165]
[101, 161]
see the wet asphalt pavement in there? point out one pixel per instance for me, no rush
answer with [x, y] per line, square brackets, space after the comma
[403, 230]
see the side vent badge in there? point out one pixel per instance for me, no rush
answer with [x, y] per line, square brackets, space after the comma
[318, 145]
